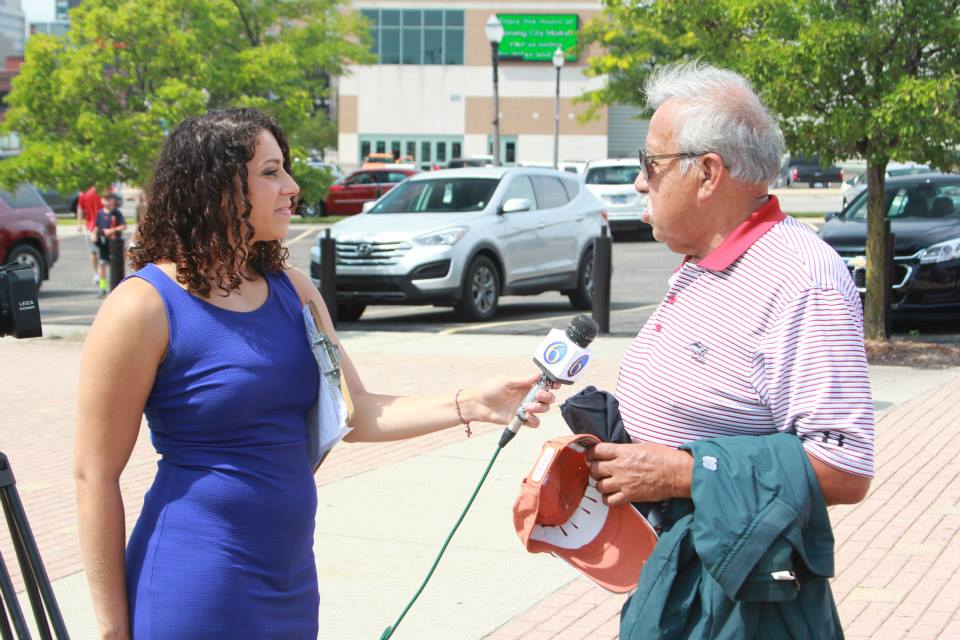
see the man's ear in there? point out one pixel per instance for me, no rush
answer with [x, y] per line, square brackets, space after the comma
[712, 170]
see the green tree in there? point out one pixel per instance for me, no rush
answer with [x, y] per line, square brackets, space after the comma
[93, 106]
[875, 79]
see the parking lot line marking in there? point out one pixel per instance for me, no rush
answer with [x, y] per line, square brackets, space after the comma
[65, 318]
[507, 323]
[302, 236]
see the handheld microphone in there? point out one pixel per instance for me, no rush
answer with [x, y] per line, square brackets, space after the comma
[562, 358]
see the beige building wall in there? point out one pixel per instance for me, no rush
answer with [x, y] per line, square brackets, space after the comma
[347, 114]
[531, 115]
[457, 100]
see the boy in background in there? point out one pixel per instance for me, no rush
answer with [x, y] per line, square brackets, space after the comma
[109, 224]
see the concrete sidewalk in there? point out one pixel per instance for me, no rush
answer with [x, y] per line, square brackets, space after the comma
[384, 510]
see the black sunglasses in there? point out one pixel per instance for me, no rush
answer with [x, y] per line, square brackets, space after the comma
[647, 160]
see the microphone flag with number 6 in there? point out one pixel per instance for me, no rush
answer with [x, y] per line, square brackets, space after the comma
[561, 358]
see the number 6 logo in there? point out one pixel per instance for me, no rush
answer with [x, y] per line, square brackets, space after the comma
[554, 352]
[578, 366]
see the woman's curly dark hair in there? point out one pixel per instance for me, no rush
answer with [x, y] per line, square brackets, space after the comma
[192, 218]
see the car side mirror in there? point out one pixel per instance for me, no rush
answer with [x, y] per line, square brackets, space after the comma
[368, 205]
[514, 205]
[827, 217]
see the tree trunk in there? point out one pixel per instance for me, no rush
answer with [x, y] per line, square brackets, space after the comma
[878, 296]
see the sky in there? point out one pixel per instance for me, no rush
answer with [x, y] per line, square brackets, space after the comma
[38, 10]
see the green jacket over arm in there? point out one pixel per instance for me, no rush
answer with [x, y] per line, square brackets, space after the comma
[749, 556]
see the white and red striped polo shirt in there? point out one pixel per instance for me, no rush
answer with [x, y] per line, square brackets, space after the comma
[765, 334]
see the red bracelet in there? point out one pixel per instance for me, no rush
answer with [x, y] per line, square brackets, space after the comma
[456, 403]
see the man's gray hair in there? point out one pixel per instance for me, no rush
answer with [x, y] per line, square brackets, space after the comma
[719, 112]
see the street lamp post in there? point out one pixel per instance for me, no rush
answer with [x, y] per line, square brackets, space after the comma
[494, 32]
[558, 65]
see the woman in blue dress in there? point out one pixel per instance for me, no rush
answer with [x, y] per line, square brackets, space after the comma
[207, 339]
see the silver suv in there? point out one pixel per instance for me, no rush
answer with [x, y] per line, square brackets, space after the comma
[464, 237]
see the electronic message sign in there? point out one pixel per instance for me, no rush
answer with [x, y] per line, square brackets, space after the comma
[533, 37]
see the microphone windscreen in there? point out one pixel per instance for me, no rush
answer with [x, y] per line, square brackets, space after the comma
[582, 330]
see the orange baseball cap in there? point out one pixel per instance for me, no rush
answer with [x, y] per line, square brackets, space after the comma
[560, 511]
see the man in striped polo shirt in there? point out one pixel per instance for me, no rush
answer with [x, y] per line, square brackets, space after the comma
[760, 331]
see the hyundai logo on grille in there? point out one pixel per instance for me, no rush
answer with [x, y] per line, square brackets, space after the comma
[364, 250]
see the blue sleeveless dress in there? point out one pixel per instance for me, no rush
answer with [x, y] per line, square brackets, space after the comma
[224, 545]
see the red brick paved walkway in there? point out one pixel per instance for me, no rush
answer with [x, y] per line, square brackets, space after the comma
[898, 551]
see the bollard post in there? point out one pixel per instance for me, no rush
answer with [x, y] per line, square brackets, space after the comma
[602, 252]
[117, 261]
[328, 273]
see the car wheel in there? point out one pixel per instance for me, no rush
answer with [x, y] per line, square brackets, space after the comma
[350, 311]
[25, 254]
[481, 291]
[582, 297]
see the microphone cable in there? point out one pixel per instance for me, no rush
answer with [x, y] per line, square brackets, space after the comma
[564, 352]
[389, 630]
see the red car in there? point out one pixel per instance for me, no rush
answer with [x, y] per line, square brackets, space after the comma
[346, 197]
[28, 231]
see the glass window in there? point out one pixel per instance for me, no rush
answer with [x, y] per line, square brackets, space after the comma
[390, 46]
[572, 187]
[622, 174]
[441, 152]
[395, 149]
[945, 203]
[381, 146]
[511, 152]
[440, 195]
[433, 18]
[454, 149]
[425, 151]
[364, 148]
[411, 45]
[925, 200]
[453, 51]
[412, 17]
[520, 187]
[432, 46]
[24, 196]
[412, 149]
[389, 18]
[393, 177]
[360, 178]
[373, 15]
[550, 193]
[454, 18]
[858, 209]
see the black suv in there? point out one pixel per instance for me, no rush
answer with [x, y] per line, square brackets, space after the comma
[800, 169]
[924, 214]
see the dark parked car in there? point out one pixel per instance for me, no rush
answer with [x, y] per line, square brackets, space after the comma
[924, 214]
[800, 169]
[28, 231]
[347, 196]
[62, 203]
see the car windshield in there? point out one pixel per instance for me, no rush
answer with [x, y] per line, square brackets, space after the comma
[439, 195]
[621, 174]
[926, 200]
